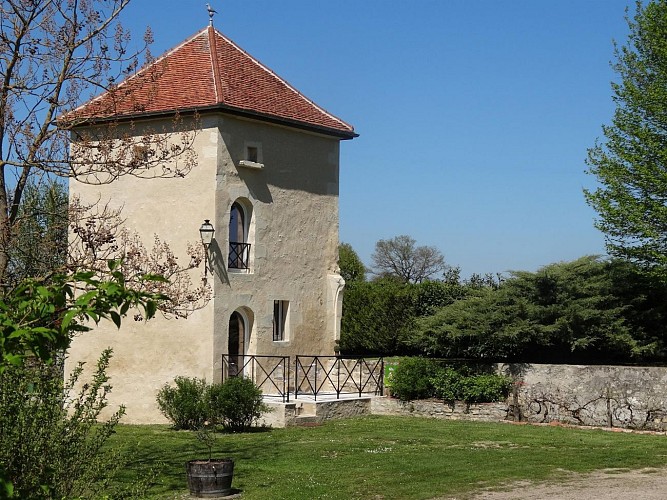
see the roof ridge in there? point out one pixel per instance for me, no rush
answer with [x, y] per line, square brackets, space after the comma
[283, 81]
[215, 64]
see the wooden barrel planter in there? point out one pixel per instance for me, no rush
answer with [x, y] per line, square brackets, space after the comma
[210, 478]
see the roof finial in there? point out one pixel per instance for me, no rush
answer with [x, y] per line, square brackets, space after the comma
[211, 12]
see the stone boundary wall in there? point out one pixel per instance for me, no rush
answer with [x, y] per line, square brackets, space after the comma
[485, 412]
[602, 396]
[611, 396]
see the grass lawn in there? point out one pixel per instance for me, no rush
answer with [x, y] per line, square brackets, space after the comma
[385, 457]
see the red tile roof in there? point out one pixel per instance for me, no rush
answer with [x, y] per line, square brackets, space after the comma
[209, 71]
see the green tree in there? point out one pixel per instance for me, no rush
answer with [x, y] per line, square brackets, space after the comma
[39, 242]
[631, 163]
[588, 310]
[377, 316]
[351, 267]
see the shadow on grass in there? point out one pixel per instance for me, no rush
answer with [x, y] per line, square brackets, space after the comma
[158, 457]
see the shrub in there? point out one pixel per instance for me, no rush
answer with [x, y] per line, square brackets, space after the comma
[422, 378]
[236, 404]
[452, 385]
[186, 404]
[448, 384]
[52, 446]
[487, 388]
[412, 379]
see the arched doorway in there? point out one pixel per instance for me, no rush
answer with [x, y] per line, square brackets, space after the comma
[236, 343]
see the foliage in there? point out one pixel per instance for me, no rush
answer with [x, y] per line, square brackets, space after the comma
[38, 318]
[39, 239]
[588, 310]
[37, 322]
[423, 378]
[631, 164]
[192, 403]
[351, 267]
[447, 385]
[400, 257]
[206, 435]
[377, 315]
[236, 404]
[433, 295]
[412, 378]
[452, 385]
[51, 445]
[186, 403]
[488, 280]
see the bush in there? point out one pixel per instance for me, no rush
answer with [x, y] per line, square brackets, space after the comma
[412, 379]
[452, 385]
[448, 385]
[51, 445]
[186, 404]
[485, 388]
[422, 378]
[236, 404]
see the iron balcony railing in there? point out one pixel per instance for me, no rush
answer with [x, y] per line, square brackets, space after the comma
[317, 375]
[313, 375]
[270, 373]
[239, 255]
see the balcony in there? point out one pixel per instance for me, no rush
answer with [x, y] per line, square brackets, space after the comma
[239, 255]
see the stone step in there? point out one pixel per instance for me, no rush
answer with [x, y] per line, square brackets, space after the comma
[306, 409]
[307, 420]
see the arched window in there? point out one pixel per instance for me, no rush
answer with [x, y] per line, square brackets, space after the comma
[239, 248]
[236, 343]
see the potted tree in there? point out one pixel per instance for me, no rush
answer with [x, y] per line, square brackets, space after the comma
[212, 477]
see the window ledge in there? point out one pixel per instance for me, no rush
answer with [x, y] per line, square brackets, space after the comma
[251, 164]
[235, 270]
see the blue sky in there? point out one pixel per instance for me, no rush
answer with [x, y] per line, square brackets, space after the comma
[474, 116]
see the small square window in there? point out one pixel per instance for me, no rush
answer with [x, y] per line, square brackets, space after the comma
[280, 310]
[252, 154]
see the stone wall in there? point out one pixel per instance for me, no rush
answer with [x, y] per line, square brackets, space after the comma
[484, 412]
[608, 396]
[611, 396]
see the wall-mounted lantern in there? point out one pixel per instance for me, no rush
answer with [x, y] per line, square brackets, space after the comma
[206, 232]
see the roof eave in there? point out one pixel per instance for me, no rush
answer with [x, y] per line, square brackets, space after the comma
[338, 133]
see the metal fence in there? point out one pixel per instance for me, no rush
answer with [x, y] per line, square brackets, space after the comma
[328, 375]
[270, 373]
[315, 376]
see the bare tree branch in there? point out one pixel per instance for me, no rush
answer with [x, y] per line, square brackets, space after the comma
[400, 257]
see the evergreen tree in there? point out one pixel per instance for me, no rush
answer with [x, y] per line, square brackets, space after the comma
[39, 244]
[351, 267]
[631, 163]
